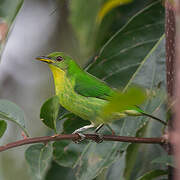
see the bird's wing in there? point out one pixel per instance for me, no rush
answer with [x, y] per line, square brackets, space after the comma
[89, 86]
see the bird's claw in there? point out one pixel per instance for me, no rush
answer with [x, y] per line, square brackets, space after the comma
[81, 137]
[99, 138]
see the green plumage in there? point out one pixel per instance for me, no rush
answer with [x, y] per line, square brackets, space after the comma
[81, 93]
[88, 85]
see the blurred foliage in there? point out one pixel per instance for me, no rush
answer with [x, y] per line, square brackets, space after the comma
[38, 157]
[153, 174]
[3, 127]
[8, 11]
[131, 155]
[167, 160]
[115, 171]
[11, 112]
[115, 20]
[66, 153]
[122, 54]
[108, 6]
[83, 20]
[57, 172]
[90, 34]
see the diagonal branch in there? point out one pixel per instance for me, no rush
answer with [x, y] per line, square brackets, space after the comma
[74, 137]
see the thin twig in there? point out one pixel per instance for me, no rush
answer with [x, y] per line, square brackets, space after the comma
[75, 137]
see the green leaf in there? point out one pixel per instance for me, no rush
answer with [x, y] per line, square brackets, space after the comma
[132, 155]
[38, 157]
[115, 171]
[139, 163]
[108, 6]
[66, 153]
[11, 112]
[153, 174]
[122, 54]
[123, 101]
[49, 112]
[83, 18]
[57, 172]
[115, 19]
[147, 75]
[167, 160]
[8, 12]
[3, 127]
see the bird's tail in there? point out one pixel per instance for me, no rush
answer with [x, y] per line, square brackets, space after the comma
[138, 112]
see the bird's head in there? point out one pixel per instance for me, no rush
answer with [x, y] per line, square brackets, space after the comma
[58, 59]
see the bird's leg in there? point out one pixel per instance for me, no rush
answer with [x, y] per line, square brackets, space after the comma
[84, 128]
[99, 136]
[98, 128]
[78, 131]
[110, 128]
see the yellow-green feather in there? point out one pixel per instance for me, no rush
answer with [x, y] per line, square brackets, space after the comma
[87, 108]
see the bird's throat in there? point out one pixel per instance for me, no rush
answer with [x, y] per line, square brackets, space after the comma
[59, 78]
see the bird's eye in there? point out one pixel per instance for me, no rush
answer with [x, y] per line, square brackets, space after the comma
[59, 58]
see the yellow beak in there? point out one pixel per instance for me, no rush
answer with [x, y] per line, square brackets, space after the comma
[45, 59]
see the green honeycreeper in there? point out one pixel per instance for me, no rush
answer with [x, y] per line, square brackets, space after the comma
[83, 94]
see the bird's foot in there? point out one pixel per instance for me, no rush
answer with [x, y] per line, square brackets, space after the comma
[99, 138]
[81, 137]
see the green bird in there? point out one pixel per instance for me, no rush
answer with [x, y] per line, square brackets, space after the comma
[82, 93]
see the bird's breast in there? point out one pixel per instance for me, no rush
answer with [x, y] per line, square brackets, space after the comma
[87, 108]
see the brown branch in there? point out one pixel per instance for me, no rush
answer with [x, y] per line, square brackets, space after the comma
[175, 134]
[75, 137]
[170, 30]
